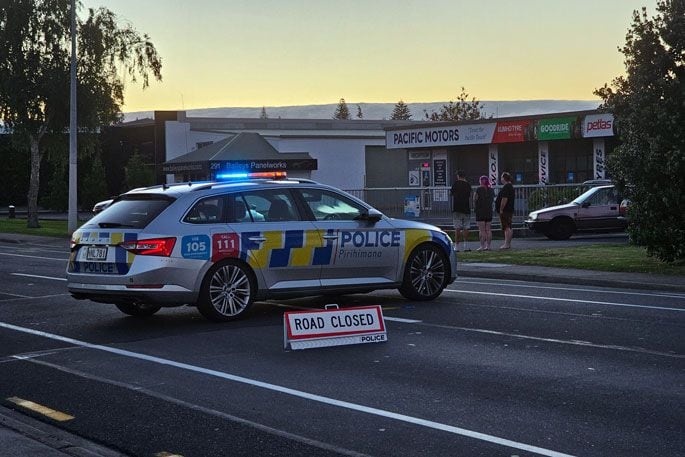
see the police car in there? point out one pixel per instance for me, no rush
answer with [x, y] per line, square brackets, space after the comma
[221, 245]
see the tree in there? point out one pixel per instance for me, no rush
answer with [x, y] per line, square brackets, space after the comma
[263, 114]
[34, 73]
[360, 115]
[648, 105]
[401, 112]
[341, 112]
[138, 173]
[463, 110]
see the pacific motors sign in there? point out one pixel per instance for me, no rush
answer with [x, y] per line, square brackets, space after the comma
[595, 125]
[450, 135]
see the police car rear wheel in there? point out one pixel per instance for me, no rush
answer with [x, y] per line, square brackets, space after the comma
[228, 291]
[138, 309]
[425, 274]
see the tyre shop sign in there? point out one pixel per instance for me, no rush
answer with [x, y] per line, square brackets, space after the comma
[333, 327]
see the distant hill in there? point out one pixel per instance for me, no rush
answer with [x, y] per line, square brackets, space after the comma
[384, 110]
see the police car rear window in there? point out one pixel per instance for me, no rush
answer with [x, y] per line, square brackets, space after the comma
[130, 213]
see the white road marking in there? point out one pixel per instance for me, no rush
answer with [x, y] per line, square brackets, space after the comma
[592, 302]
[33, 256]
[399, 319]
[297, 393]
[212, 412]
[39, 276]
[512, 283]
[15, 295]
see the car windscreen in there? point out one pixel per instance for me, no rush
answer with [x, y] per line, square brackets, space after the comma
[131, 212]
[585, 196]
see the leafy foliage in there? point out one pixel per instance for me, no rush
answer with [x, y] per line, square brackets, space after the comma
[461, 110]
[648, 104]
[138, 173]
[35, 54]
[401, 112]
[342, 112]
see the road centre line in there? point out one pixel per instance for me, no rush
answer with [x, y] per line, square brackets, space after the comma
[511, 284]
[297, 393]
[39, 276]
[33, 256]
[591, 302]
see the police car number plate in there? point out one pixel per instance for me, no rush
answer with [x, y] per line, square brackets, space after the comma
[96, 253]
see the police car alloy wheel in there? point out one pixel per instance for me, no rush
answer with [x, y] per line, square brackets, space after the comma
[227, 291]
[426, 273]
[138, 309]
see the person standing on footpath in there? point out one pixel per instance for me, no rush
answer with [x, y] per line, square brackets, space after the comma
[482, 204]
[461, 209]
[505, 208]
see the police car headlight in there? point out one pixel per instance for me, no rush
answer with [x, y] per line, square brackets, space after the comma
[532, 216]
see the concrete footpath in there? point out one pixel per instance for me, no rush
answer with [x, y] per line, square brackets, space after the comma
[21, 435]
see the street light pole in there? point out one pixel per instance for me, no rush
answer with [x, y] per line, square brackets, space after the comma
[73, 208]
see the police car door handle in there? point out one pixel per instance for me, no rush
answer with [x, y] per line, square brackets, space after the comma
[257, 239]
[330, 237]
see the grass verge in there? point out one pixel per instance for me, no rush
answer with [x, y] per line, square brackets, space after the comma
[602, 257]
[55, 228]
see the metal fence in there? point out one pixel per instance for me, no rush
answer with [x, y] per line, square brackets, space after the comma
[434, 204]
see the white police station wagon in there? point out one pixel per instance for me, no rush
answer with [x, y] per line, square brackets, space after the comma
[221, 245]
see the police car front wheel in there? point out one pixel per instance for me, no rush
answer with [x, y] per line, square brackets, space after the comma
[228, 291]
[425, 274]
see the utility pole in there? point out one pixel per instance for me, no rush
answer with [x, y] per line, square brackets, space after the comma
[73, 207]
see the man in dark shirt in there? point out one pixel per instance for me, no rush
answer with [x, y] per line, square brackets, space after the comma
[505, 207]
[461, 209]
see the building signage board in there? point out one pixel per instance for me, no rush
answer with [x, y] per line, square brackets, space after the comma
[561, 128]
[333, 327]
[595, 125]
[448, 135]
[439, 172]
[493, 168]
[265, 165]
[543, 162]
[514, 132]
[599, 159]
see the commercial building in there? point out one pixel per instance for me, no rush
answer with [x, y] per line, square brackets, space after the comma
[355, 154]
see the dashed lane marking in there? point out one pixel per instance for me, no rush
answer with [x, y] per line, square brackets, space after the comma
[39, 276]
[40, 409]
[298, 393]
[574, 300]
[34, 257]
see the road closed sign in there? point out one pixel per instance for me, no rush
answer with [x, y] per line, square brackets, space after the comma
[333, 327]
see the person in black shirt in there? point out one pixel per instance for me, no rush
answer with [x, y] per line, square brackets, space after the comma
[461, 208]
[482, 203]
[505, 207]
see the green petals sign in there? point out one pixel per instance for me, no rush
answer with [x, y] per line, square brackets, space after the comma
[560, 128]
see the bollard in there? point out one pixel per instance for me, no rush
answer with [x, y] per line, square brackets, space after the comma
[11, 212]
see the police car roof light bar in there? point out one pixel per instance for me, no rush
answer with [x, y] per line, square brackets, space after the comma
[256, 174]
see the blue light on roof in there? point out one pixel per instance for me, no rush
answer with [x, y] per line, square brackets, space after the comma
[232, 175]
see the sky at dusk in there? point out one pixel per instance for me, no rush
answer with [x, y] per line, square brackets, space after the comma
[219, 53]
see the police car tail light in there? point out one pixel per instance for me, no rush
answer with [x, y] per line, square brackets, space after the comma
[156, 246]
[254, 175]
[72, 243]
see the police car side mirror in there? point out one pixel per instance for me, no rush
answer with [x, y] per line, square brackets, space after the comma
[585, 204]
[372, 215]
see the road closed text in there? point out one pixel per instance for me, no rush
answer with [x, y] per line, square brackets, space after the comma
[334, 322]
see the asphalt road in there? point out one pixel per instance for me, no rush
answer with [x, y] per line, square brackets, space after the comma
[491, 368]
